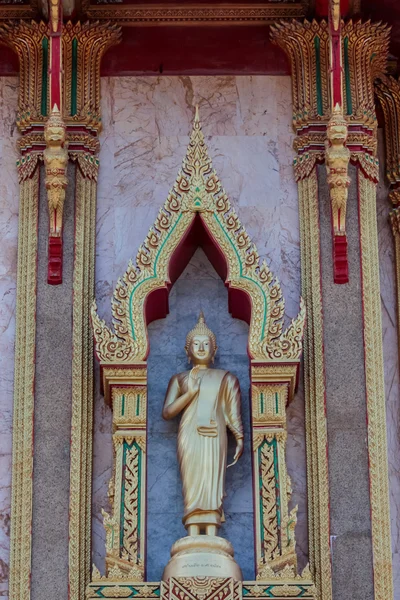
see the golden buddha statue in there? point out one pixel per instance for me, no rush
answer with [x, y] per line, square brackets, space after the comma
[210, 402]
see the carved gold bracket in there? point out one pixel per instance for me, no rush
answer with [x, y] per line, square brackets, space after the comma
[59, 105]
[321, 80]
[55, 160]
[337, 158]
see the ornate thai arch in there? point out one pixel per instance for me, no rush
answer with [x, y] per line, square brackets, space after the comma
[197, 207]
[197, 212]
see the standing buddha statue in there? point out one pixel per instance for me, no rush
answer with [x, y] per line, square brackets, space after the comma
[209, 400]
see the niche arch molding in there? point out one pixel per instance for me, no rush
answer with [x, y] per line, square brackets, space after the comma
[198, 213]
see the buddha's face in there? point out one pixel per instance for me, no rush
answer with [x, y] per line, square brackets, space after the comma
[201, 350]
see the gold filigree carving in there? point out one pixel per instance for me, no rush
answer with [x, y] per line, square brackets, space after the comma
[388, 92]
[55, 160]
[314, 380]
[375, 391]
[129, 406]
[267, 405]
[197, 190]
[270, 544]
[201, 588]
[24, 374]
[82, 388]
[227, 14]
[131, 502]
[367, 48]
[337, 159]
[26, 40]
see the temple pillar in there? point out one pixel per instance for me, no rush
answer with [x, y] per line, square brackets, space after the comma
[126, 390]
[388, 93]
[344, 386]
[59, 108]
[272, 388]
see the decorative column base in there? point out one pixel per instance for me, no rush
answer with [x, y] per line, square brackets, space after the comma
[286, 585]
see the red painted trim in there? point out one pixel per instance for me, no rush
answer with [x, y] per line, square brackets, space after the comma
[340, 260]
[55, 71]
[336, 68]
[195, 50]
[54, 267]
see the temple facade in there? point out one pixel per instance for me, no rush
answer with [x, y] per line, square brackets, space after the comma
[200, 300]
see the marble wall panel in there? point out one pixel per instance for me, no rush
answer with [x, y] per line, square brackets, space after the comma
[8, 274]
[391, 359]
[247, 124]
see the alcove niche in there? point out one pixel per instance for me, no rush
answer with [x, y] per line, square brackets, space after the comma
[199, 287]
[198, 256]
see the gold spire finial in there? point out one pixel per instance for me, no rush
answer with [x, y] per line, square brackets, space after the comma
[200, 328]
[197, 115]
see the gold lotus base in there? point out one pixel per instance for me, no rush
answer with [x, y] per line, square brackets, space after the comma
[202, 556]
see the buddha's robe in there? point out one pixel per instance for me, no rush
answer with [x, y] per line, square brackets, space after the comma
[202, 441]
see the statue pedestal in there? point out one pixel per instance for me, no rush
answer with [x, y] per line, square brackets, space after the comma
[202, 556]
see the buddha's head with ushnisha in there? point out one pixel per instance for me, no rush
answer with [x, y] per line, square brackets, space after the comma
[201, 344]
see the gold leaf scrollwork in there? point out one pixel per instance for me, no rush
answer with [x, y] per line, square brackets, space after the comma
[197, 191]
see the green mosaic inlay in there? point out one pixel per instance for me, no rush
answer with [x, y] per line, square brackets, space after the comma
[320, 109]
[45, 66]
[255, 282]
[151, 277]
[74, 77]
[262, 403]
[346, 61]
[276, 403]
[137, 404]
[123, 405]
[128, 447]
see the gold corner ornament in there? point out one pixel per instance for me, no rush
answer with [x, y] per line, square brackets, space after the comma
[198, 192]
[55, 160]
[337, 158]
